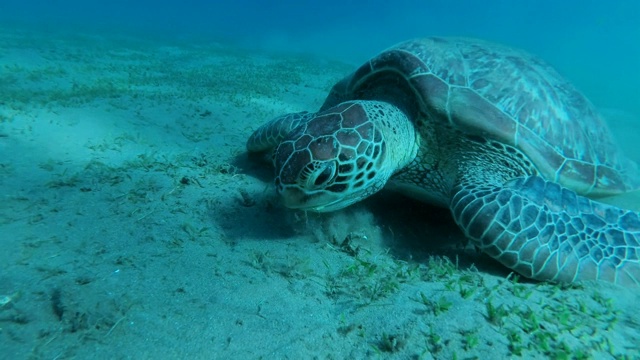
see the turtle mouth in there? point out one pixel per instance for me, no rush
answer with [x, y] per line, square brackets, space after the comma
[318, 201]
[318, 208]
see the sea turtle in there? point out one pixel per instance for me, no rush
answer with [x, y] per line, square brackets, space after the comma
[494, 134]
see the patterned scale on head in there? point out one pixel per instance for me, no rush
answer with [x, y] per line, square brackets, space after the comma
[337, 158]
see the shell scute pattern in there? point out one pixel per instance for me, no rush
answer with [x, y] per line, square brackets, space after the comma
[513, 97]
[426, 84]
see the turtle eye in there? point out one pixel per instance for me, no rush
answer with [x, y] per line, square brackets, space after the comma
[324, 176]
[319, 175]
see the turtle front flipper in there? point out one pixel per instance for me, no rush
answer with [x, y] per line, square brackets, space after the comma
[269, 135]
[547, 232]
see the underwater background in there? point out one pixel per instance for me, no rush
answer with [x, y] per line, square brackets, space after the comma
[593, 43]
[133, 224]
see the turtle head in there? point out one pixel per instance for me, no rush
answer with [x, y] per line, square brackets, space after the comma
[341, 155]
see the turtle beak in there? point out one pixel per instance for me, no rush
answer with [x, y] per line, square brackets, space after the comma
[320, 201]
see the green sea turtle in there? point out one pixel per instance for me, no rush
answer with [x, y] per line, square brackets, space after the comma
[492, 133]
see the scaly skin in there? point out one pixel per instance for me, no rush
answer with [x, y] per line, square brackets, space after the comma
[547, 232]
[336, 157]
[536, 227]
[492, 133]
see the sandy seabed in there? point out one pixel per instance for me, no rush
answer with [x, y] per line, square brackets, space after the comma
[133, 225]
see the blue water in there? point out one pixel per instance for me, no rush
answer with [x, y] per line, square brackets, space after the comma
[593, 43]
[132, 224]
